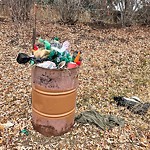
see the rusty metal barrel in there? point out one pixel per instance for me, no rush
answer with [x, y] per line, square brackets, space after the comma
[53, 100]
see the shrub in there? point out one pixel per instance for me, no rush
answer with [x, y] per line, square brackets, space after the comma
[69, 10]
[19, 9]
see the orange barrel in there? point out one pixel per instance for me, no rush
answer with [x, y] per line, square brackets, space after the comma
[53, 99]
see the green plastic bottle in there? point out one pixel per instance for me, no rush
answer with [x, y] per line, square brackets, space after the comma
[47, 45]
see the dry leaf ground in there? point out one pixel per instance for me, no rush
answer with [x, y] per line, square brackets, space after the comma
[116, 62]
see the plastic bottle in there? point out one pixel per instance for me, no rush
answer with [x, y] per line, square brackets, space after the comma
[47, 45]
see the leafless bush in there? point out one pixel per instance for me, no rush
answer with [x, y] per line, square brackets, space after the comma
[129, 9]
[19, 9]
[69, 10]
[97, 9]
[125, 12]
[143, 15]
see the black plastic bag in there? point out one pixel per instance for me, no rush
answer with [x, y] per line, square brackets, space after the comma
[23, 58]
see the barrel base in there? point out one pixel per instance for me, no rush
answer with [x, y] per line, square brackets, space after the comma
[52, 126]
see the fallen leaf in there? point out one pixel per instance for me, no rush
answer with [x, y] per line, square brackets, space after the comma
[1, 141]
[6, 125]
[1, 127]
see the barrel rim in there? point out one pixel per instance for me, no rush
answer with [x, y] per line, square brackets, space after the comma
[35, 66]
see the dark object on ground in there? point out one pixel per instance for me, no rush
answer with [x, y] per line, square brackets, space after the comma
[134, 104]
[141, 108]
[101, 121]
[127, 102]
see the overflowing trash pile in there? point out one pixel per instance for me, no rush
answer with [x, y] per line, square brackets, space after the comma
[51, 55]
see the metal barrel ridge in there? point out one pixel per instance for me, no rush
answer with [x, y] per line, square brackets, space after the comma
[53, 99]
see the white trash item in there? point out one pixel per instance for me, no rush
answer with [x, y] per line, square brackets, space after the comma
[47, 64]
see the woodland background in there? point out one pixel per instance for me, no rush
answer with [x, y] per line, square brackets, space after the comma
[114, 36]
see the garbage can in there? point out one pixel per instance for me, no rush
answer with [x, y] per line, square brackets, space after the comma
[53, 99]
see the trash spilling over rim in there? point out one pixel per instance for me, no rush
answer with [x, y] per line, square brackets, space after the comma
[52, 55]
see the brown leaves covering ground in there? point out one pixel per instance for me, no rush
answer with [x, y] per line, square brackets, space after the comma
[116, 62]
